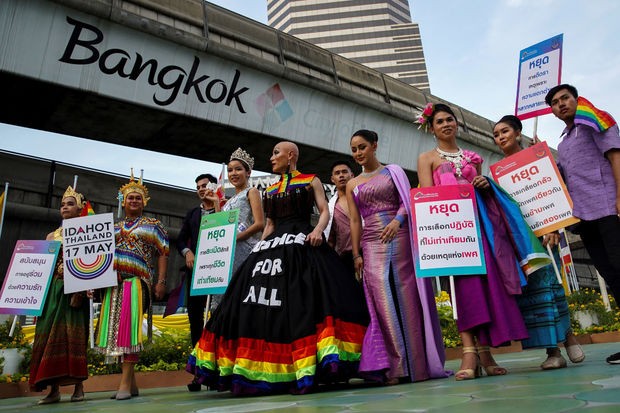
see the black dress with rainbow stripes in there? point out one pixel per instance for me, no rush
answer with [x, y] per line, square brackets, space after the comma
[292, 316]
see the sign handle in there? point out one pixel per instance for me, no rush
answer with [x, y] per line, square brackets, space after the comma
[207, 307]
[535, 133]
[91, 330]
[455, 314]
[555, 267]
[13, 326]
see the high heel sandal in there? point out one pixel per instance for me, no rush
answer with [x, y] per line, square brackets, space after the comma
[493, 370]
[469, 374]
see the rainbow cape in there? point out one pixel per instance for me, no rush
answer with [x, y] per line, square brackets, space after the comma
[590, 116]
[289, 182]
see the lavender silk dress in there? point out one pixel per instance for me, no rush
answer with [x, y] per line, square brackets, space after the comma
[486, 304]
[404, 336]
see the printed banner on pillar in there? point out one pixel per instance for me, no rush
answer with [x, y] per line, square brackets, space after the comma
[28, 277]
[532, 178]
[215, 253]
[446, 231]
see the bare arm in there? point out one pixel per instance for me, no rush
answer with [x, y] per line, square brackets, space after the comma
[162, 266]
[269, 227]
[480, 181]
[355, 221]
[257, 213]
[315, 238]
[425, 170]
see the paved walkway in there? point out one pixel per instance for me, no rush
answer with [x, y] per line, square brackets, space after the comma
[592, 386]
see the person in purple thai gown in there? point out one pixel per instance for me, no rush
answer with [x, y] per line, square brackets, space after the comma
[488, 314]
[403, 341]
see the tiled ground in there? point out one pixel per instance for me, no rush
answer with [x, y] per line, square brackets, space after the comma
[592, 386]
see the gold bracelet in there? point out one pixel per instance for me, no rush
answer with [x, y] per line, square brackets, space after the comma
[161, 282]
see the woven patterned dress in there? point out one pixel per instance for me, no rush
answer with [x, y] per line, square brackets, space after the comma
[139, 242]
[61, 336]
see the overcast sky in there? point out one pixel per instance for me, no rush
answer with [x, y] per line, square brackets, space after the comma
[471, 50]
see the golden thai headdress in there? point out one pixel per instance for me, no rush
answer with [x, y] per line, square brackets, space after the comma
[133, 186]
[79, 198]
[241, 155]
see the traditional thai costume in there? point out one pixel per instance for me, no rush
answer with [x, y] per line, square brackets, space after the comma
[139, 241]
[404, 337]
[292, 316]
[61, 335]
[487, 304]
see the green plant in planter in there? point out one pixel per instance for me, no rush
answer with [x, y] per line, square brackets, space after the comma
[168, 352]
[590, 300]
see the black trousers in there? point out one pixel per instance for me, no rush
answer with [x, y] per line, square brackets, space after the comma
[196, 314]
[601, 237]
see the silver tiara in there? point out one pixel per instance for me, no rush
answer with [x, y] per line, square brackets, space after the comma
[244, 157]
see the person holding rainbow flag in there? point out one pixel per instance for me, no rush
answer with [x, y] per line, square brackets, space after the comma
[589, 159]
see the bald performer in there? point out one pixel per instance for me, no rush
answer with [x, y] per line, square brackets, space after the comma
[292, 295]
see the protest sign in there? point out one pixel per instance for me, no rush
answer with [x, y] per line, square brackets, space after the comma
[540, 69]
[532, 178]
[446, 231]
[28, 277]
[88, 252]
[215, 253]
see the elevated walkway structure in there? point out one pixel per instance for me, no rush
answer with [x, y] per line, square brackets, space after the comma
[193, 79]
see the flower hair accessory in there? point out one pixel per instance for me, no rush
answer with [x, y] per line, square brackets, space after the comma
[422, 120]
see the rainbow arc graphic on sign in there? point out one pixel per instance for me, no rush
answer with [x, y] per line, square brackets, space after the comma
[87, 271]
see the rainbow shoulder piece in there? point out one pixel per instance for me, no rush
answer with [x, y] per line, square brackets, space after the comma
[590, 116]
[289, 182]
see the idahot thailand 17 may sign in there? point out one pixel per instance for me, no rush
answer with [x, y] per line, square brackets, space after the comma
[28, 277]
[532, 178]
[215, 252]
[540, 69]
[88, 251]
[446, 231]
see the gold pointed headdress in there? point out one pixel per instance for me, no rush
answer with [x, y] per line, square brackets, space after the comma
[241, 155]
[134, 186]
[79, 198]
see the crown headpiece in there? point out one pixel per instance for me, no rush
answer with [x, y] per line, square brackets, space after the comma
[134, 186]
[79, 198]
[244, 157]
[424, 116]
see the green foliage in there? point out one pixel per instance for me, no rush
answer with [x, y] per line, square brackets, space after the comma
[171, 347]
[589, 300]
[17, 341]
[168, 352]
[449, 331]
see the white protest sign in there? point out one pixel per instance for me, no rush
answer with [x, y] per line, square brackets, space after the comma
[540, 69]
[446, 231]
[215, 253]
[28, 277]
[532, 178]
[88, 251]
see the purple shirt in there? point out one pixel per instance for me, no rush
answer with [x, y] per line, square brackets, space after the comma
[588, 174]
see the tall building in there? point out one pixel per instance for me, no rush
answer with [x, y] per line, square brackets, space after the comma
[376, 33]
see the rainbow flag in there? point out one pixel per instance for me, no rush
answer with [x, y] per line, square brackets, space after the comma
[87, 210]
[590, 116]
